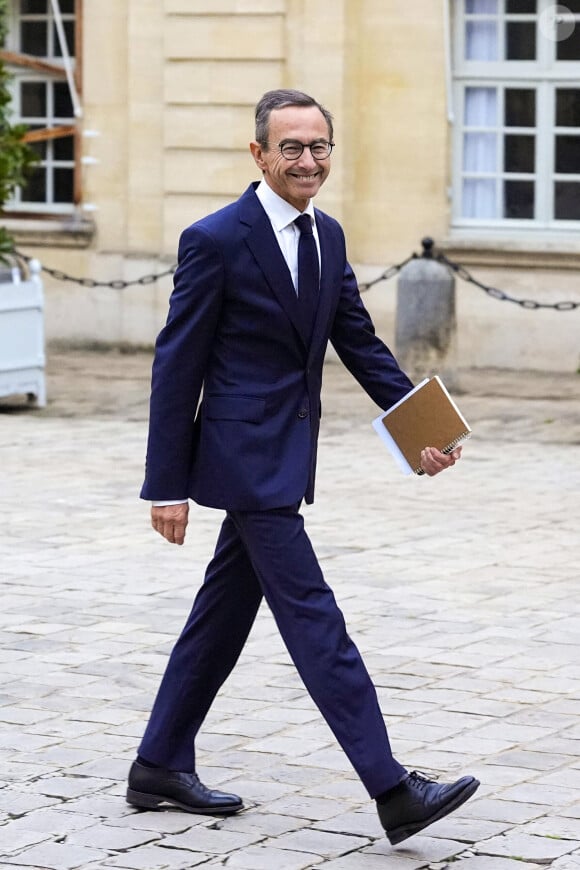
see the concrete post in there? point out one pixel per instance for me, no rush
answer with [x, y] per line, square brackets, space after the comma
[425, 330]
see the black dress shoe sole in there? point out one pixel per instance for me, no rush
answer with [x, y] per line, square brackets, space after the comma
[397, 835]
[146, 801]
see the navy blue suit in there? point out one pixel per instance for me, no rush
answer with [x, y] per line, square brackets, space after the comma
[235, 334]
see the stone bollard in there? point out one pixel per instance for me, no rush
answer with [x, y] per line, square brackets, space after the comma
[425, 330]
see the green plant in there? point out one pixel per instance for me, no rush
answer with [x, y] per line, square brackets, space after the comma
[17, 158]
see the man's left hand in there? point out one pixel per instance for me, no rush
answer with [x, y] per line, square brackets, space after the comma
[433, 461]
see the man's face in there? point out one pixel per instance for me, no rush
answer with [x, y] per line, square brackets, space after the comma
[297, 180]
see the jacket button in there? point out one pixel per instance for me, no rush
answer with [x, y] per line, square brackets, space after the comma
[302, 413]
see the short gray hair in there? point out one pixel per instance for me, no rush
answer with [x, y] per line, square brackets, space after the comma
[281, 99]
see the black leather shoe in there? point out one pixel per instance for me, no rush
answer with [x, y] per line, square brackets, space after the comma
[417, 802]
[152, 787]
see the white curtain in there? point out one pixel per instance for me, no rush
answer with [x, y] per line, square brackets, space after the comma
[480, 153]
[481, 42]
[479, 195]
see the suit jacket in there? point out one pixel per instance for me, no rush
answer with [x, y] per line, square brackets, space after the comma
[234, 333]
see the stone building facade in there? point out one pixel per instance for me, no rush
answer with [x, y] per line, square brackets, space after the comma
[456, 119]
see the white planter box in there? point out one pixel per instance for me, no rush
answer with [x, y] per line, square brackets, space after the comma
[22, 359]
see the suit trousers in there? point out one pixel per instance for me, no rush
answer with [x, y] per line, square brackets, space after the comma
[268, 554]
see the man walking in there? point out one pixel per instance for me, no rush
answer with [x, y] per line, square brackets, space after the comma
[261, 287]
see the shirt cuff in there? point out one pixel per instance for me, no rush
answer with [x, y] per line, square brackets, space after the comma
[167, 503]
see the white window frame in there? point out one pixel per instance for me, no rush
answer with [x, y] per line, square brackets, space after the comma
[21, 75]
[544, 75]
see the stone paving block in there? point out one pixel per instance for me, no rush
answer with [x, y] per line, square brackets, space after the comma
[366, 861]
[291, 747]
[209, 742]
[489, 707]
[287, 715]
[472, 744]
[99, 805]
[495, 776]
[467, 830]
[226, 706]
[230, 764]
[331, 758]
[516, 732]
[512, 694]
[443, 764]
[271, 695]
[112, 837]
[245, 728]
[534, 793]
[567, 862]
[568, 777]
[259, 791]
[541, 850]
[559, 744]
[16, 803]
[60, 756]
[108, 743]
[156, 858]
[418, 847]
[554, 826]
[349, 789]
[300, 774]
[159, 822]
[104, 767]
[24, 716]
[324, 843]
[532, 761]
[564, 705]
[56, 856]
[17, 771]
[16, 839]
[485, 862]
[362, 824]
[210, 840]
[65, 787]
[21, 741]
[264, 824]
[269, 857]
[107, 715]
[58, 821]
[306, 807]
[39, 628]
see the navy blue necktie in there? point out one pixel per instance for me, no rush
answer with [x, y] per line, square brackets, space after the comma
[308, 273]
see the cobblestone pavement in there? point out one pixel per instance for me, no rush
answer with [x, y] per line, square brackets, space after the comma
[462, 593]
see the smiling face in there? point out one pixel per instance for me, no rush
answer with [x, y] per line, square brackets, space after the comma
[298, 180]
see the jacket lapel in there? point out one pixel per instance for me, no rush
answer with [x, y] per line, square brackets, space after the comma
[268, 256]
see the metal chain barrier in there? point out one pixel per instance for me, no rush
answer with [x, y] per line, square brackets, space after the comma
[428, 253]
[387, 274]
[118, 284]
[501, 295]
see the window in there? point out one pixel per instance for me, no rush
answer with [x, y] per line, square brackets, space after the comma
[41, 54]
[517, 105]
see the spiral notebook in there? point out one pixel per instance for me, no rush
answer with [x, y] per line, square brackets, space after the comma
[426, 417]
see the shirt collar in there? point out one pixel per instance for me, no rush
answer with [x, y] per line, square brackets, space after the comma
[280, 212]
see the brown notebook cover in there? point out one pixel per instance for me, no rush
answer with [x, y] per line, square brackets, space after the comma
[426, 417]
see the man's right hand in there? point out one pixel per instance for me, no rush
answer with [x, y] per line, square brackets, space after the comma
[170, 521]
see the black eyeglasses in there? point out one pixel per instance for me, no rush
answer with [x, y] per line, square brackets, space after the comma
[292, 149]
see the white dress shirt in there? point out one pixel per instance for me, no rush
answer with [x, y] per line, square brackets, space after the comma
[282, 216]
